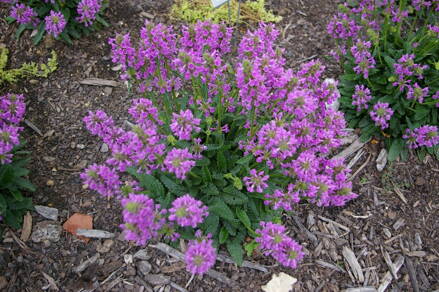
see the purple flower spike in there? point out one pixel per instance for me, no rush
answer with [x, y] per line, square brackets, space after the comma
[256, 182]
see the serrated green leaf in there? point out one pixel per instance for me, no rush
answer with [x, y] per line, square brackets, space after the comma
[236, 252]
[151, 184]
[172, 186]
[245, 160]
[39, 36]
[210, 224]
[395, 149]
[223, 235]
[243, 217]
[220, 208]
[221, 161]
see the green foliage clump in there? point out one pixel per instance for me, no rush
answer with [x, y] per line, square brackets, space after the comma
[13, 205]
[27, 69]
[194, 10]
[393, 56]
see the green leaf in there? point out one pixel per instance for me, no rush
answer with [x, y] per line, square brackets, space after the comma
[221, 161]
[221, 209]
[210, 190]
[223, 235]
[17, 195]
[250, 247]
[24, 184]
[210, 224]
[20, 30]
[421, 113]
[243, 217]
[152, 184]
[10, 19]
[12, 219]
[245, 160]
[236, 251]
[395, 149]
[203, 162]
[207, 176]
[172, 186]
[102, 21]
[3, 204]
[39, 36]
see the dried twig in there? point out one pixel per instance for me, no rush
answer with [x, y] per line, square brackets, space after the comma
[354, 147]
[51, 281]
[99, 82]
[412, 274]
[245, 264]
[330, 266]
[86, 263]
[33, 127]
[308, 233]
[389, 263]
[353, 263]
[335, 223]
[360, 168]
[387, 279]
[355, 159]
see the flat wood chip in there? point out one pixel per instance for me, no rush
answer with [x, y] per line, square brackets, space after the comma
[353, 263]
[27, 227]
[99, 82]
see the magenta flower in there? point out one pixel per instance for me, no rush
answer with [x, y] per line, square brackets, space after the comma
[55, 23]
[361, 97]
[274, 241]
[417, 93]
[381, 114]
[12, 108]
[256, 182]
[144, 112]
[102, 179]
[184, 124]
[200, 256]
[179, 162]
[427, 136]
[24, 14]
[87, 11]
[142, 218]
[187, 211]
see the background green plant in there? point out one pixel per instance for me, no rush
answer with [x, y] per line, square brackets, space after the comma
[26, 70]
[73, 29]
[388, 45]
[13, 180]
[194, 10]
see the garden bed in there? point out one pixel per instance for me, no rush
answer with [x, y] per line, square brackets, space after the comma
[395, 216]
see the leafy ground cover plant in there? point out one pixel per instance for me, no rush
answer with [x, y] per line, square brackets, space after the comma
[199, 10]
[390, 86]
[13, 204]
[26, 70]
[222, 141]
[61, 19]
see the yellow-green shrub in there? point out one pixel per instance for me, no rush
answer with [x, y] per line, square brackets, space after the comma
[194, 10]
[26, 70]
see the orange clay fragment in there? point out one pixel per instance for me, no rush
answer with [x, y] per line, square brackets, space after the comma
[79, 221]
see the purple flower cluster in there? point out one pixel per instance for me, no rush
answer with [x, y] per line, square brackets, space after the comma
[184, 124]
[381, 114]
[363, 58]
[417, 93]
[427, 136]
[143, 219]
[273, 241]
[55, 23]
[361, 97]
[200, 255]
[187, 211]
[102, 179]
[87, 11]
[12, 110]
[24, 14]
[179, 162]
[256, 182]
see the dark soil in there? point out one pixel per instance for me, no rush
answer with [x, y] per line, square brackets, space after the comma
[378, 222]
